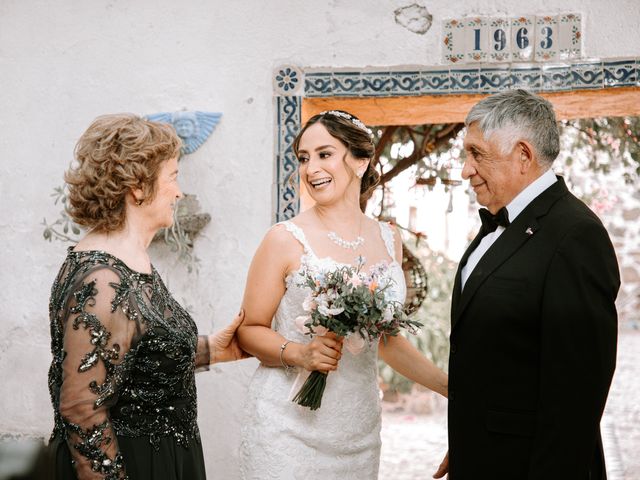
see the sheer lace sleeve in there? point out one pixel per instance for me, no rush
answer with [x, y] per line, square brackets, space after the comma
[203, 353]
[97, 334]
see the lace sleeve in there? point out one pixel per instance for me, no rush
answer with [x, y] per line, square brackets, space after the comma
[203, 354]
[97, 334]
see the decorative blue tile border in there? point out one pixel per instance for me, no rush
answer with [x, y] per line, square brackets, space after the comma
[288, 117]
[527, 76]
[465, 80]
[556, 78]
[434, 82]
[540, 77]
[587, 75]
[495, 79]
[292, 84]
[620, 74]
[321, 84]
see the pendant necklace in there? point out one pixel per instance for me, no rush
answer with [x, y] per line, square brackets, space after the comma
[341, 242]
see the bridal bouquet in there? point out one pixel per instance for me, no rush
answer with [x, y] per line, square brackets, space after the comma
[350, 304]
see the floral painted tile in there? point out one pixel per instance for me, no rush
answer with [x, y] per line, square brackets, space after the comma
[287, 80]
[499, 42]
[546, 40]
[476, 39]
[522, 38]
[570, 36]
[453, 48]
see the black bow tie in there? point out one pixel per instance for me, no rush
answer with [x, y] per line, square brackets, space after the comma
[490, 222]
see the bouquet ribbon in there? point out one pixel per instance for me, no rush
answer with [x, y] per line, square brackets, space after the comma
[301, 377]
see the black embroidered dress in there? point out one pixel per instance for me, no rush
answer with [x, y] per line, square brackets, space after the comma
[122, 378]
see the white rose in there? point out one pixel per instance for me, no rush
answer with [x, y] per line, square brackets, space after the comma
[309, 303]
[329, 312]
[387, 315]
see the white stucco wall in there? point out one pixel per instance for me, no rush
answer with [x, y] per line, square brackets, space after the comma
[63, 63]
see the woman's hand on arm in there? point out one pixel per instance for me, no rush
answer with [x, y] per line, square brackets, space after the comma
[224, 346]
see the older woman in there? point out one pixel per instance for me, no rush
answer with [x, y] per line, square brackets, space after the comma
[124, 351]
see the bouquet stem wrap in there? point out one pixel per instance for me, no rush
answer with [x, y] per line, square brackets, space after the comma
[310, 395]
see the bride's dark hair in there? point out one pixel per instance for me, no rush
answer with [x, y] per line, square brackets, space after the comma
[354, 135]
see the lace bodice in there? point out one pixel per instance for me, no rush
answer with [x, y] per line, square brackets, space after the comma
[282, 440]
[291, 302]
[124, 358]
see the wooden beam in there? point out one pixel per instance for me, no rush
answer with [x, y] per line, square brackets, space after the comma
[416, 110]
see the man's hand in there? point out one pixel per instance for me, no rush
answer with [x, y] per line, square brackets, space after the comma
[443, 469]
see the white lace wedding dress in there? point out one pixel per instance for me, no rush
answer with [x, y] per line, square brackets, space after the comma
[340, 440]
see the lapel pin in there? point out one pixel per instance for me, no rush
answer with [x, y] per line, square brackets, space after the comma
[529, 231]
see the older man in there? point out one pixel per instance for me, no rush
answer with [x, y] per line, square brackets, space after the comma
[533, 316]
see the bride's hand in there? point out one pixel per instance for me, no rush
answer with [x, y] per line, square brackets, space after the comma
[224, 344]
[322, 353]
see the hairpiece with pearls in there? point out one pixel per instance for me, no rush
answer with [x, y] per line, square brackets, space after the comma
[357, 122]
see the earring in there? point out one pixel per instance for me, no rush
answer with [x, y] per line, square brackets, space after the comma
[361, 174]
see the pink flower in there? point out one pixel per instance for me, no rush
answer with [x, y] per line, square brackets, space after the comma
[354, 343]
[300, 323]
[355, 280]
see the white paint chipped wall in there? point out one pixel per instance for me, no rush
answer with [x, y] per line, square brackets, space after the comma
[63, 63]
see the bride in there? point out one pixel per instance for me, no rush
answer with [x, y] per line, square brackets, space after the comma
[280, 439]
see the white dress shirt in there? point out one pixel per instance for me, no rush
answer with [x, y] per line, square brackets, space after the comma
[517, 205]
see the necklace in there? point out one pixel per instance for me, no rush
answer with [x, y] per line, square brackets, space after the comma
[341, 242]
[338, 240]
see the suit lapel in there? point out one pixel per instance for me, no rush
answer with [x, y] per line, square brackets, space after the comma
[513, 238]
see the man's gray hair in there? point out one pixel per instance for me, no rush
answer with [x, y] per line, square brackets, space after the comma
[519, 115]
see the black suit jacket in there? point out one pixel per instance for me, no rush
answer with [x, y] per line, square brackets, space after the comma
[533, 347]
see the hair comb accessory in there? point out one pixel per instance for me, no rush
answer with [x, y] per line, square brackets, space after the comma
[351, 118]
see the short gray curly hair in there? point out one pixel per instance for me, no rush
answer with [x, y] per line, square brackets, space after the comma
[519, 114]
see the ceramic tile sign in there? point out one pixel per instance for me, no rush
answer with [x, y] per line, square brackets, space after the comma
[525, 38]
